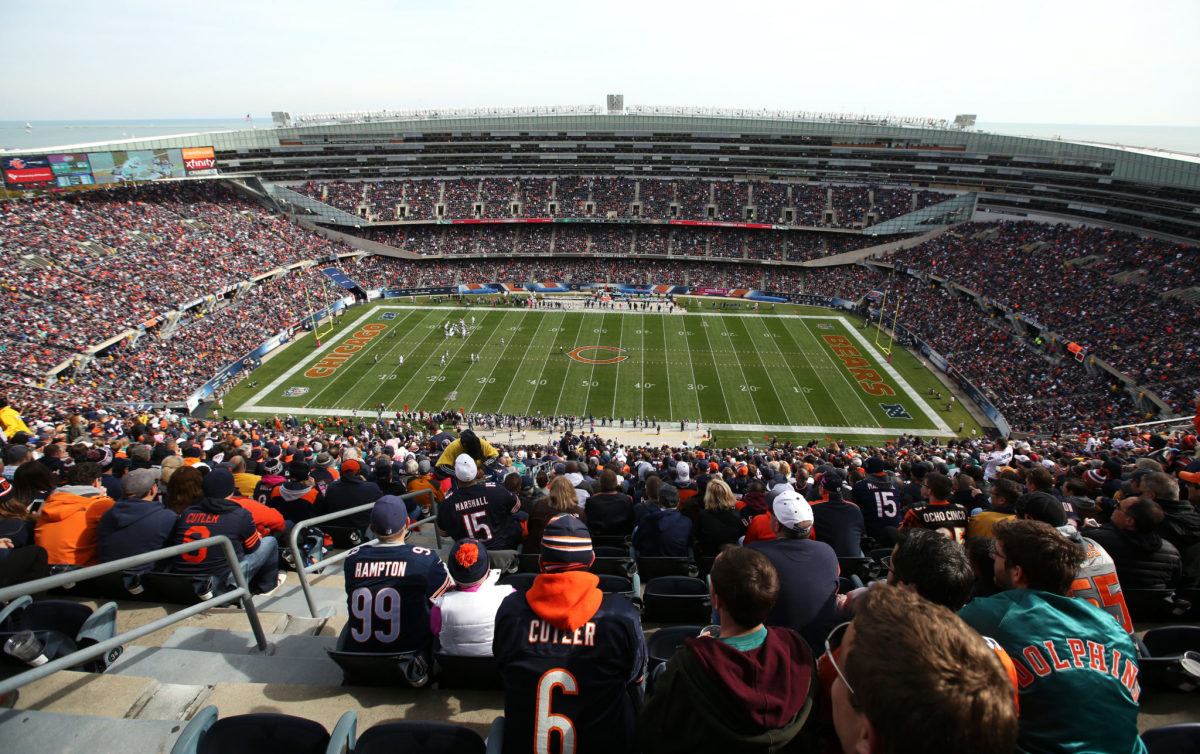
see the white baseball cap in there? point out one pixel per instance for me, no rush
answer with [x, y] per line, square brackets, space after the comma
[465, 468]
[792, 510]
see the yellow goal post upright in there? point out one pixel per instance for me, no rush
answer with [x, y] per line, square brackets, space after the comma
[891, 333]
[315, 316]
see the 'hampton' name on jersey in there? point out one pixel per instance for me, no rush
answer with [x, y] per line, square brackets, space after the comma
[541, 632]
[370, 569]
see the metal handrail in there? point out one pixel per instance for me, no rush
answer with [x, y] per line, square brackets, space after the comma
[299, 526]
[242, 593]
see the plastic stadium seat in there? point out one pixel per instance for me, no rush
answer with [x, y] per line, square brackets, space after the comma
[62, 627]
[847, 585]
[261, 733]
[677, 599]
[620, 541]
[865, 569]
[1173, 739]
[529, 563]
[1169, 658]
[665, 641]
[380, 668]
[428, 738]
[652, 568]
[520, 581]
[467, 672]
[110, 585]
[1155, 605]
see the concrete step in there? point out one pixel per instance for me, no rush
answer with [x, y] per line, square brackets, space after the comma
[51, 732]
[474, 709]
[186, 666]
[297, 646]
[290, 599]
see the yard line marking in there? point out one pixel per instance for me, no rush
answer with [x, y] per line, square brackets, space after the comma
[900, 381]
[562, 315]
[817, 369]
[389, 368]
[563, 386]
[767, 369]
[798, 389]
[718, 370]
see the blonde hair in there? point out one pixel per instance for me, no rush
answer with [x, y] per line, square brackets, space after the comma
[562, 495]
[718, 496]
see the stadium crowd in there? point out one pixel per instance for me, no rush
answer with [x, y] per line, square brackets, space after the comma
[98, 266]
[1001, 552]
[621, 198]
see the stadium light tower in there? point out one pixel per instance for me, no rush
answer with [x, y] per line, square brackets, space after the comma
[616, 104]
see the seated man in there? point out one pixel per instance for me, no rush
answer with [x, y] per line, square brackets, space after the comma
[390, 586]
[1143, 558]
[136, 523]
[1063, 648]
[350, 491]
[903, 653]
[67, 525]
[479, 510]
[572, 657]
[939, 514]
[664, 533]
[937, 568]
[808, 570]
[465, 616]
[216, 514]
[610, 511]
[763, 678]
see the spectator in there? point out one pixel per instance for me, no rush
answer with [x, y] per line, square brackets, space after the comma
[1041, 629]
[1002, 500]
[878, 498]
[245, 482]
[933, 565]
[564, 633]
[939, 514]
[664, 533]
[756, 684]
[216, 514]
[390, 587]
[609, 512]
[481, 510]
[1144, 560]
[464, 618]
[66, 526]
[837, 522]
[561, 500]
[718, 523]
[424, 481]
[136, 523]
[808, 571]
[350, 491]
[884, 663]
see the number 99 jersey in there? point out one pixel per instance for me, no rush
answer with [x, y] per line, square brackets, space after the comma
[570, 692]
[388, 589]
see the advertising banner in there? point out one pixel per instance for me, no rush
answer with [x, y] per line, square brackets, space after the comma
[24, 172]
[199, 161]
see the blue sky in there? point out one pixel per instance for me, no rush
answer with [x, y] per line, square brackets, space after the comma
[1022, 61]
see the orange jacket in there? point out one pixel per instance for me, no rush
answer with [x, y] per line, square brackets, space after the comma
[426, 482]
[66, 527]
[266, 519]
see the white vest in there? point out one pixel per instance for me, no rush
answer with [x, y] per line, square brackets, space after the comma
[468, 618]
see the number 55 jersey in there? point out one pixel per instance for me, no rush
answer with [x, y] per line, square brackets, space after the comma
[389, 588]
[573, 660]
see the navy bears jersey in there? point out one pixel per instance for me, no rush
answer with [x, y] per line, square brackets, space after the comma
[947, 519]
[483, 511]
[389, 588]
[879, 501]
[570, 692]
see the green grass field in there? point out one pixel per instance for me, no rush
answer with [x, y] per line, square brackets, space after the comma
[742, 374]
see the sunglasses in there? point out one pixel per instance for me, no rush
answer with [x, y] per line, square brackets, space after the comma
[832, 643]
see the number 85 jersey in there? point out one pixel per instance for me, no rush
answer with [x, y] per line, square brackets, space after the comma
[388, 590]
[568, 692]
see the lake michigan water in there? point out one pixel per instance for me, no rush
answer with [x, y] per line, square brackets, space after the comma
[43, 134]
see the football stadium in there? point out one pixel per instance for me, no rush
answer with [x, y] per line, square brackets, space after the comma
[441, 429]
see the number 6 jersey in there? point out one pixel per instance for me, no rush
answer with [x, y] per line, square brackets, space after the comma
[389, 588]
[572, 666]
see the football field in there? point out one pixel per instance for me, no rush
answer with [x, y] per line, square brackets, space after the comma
[771, 374]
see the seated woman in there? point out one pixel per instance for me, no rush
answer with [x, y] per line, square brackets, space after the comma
[562, 499]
